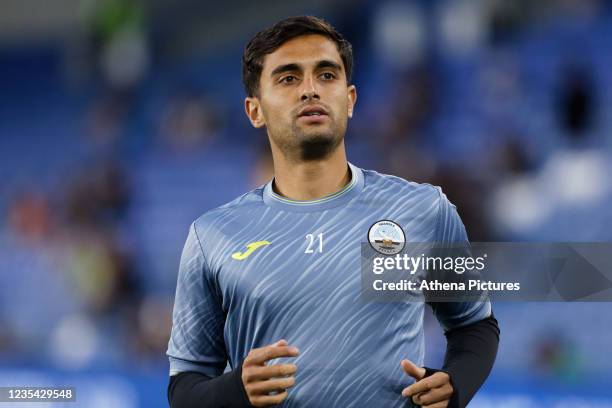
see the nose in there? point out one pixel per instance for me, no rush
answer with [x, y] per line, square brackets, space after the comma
[309, 90]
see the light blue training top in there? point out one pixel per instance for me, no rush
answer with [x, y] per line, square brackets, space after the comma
[299, 280]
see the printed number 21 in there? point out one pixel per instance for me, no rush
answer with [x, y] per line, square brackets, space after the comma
[311, 240]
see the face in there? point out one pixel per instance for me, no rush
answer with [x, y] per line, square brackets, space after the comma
[304, 101]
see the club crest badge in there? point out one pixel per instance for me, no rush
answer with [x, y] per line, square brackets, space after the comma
[386, 237]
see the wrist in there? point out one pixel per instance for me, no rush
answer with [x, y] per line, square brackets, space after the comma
[240, 385]
[453, 402]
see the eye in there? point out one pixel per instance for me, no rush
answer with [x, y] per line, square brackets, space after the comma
[328, 76]
[287, 79]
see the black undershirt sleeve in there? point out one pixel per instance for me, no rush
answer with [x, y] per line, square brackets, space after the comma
[470, 353]
[195, 390]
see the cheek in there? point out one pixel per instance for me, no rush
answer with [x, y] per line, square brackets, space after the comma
[277, 116]
[270, 108]
[342, 102]
[343, 109]
[273, 105]
[279, 113]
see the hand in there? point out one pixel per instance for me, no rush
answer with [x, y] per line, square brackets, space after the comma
[260, 379]
[431, 392]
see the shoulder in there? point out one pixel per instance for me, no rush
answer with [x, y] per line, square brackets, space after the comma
[228, 213]
[387, 185]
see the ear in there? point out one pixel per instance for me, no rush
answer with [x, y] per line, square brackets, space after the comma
[253, 111]
[352, 99]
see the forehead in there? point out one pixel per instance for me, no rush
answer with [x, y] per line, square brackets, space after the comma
[306, 49]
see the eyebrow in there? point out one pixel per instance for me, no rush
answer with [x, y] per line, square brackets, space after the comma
[297, 67]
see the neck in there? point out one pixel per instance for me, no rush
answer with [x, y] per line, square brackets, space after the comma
[310, 180]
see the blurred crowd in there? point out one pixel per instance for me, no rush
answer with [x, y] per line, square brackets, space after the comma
[503, 104]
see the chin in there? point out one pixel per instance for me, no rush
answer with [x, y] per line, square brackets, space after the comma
[318, 146]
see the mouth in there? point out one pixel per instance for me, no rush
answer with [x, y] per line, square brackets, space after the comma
[314, 110]
[313, 114]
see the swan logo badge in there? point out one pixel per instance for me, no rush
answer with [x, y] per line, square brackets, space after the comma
[386, 237]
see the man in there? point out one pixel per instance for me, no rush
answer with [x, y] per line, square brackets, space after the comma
[274, 274]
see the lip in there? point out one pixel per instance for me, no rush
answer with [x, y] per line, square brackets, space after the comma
[313, 119]
[312, 108]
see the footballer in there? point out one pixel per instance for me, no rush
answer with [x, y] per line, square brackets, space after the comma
[270, 282]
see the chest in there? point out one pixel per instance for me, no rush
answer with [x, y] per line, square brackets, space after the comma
[270, 261]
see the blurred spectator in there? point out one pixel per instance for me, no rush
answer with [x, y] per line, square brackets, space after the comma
[7, 340]
[576, 101]
[505, 19]
[153, 323]
[99, 197]
[101, 273]
[402, 126]
[189, 122]
[399, 34]
[462, 27]
[467, 191]
[119, 40]
[29, 216]
[412, 105]
[554, 355]
[105, 121]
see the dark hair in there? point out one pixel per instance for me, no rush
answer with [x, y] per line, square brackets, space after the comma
[270, 39]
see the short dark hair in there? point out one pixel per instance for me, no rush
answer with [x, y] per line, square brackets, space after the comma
[269, 40]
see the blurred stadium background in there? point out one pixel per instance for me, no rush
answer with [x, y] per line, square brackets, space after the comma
[121, 121]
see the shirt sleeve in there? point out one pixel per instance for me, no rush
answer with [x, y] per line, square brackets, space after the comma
[449, 230]
[196, 341]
